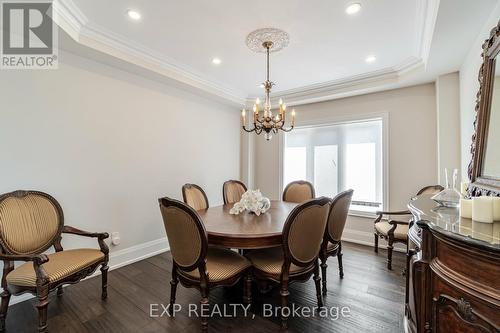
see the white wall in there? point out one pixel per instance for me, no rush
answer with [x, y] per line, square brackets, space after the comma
[107, 144]
[448, 124]
[412, 145]
[469, 86]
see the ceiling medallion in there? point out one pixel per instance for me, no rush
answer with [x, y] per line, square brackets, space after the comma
[256, 39]
[267, 40]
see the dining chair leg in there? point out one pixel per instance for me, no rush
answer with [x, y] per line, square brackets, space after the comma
[376, 243]
[317, 282]
[248, 288]
[204, 303]
[284, 304]
[173, 290]
[324, 266]
[339, 258]
[389, 253]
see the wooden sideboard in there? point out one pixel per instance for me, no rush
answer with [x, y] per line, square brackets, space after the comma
[453, 271]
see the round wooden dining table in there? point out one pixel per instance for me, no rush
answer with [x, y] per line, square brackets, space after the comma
[246, 230]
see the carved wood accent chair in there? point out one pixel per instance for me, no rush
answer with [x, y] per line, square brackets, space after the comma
[332, 244]
[232, 190]
[297, 258]
[395, 231]
[194, 196]
[30, 223]
[195, 264]
[299, 191]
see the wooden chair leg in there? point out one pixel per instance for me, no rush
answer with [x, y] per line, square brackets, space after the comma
[389, 254]
[43, 302]
[248, 288]
[317, 282]
[104, 276]
[324, 266]
[376, 243]
[3, 309]
[173, 290]
[204, 303]
[284, 304]
[339, 258]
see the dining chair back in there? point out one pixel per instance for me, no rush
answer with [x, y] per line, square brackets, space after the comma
[338, 215]
[194, 196]
[432, 189]
[304, 230]
[185, 232]
[232, 190]
[298, 191]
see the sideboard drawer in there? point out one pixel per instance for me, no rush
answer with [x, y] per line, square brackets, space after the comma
[454, 310]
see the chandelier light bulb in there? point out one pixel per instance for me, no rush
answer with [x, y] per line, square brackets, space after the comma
[243, 112]
[257, 101]
[254, 108]
[281, 101]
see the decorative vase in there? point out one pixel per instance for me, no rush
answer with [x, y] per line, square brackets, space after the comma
[252, 201]
[449, 197]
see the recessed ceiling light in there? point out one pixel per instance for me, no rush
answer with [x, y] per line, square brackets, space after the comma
[370, 59]
[353, 8]
[134, 15]
[216, 61]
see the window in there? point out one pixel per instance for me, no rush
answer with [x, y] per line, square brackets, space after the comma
[337, 157]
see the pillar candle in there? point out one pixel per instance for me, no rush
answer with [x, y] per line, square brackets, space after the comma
[482, 209]
[496, 208]
[466, 208]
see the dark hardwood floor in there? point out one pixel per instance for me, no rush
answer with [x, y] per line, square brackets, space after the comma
[374, 295]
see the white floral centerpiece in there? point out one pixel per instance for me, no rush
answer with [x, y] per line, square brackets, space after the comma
[253, 201]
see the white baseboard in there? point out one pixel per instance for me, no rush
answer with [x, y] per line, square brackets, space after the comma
[121, 258]
[366, 238]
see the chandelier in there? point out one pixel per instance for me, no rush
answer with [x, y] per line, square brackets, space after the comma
[267, 40]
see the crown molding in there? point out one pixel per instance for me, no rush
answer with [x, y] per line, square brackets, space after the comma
[427, 12]
[69, 17]
[353, 85]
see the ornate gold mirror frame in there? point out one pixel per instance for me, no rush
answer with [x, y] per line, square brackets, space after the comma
[481, 185]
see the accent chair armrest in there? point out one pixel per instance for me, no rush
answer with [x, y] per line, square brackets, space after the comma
[101, 236]
[37, 259]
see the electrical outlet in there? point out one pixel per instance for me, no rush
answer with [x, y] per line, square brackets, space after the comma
[115, 238]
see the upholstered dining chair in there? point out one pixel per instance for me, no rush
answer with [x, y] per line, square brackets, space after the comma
[232, 190]
[195, 264]
[194, 196]
[298, 191]
[30, 223]
[395, 231]
[332, 242]
[297, 258]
